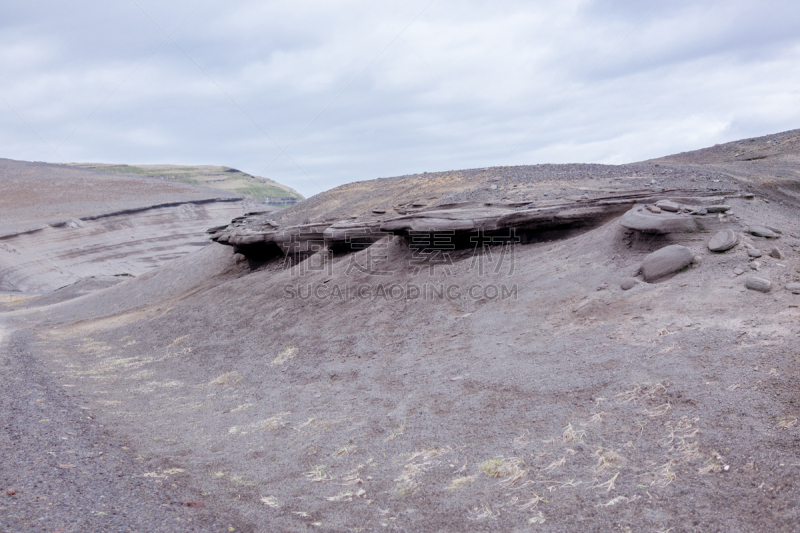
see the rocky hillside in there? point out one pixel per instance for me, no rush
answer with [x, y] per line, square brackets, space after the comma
[552, 347]
[60, 225]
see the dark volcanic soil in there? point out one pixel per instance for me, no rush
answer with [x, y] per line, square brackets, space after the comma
[66, 472]
[564, 403]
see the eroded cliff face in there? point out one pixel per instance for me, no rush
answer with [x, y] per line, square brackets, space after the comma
[61, 224]
[125, 244]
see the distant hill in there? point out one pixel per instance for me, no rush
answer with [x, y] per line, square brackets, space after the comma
[218, 177]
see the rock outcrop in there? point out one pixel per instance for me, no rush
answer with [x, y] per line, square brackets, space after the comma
[258, 237]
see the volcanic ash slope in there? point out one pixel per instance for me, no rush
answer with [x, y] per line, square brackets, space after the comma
[565, 402]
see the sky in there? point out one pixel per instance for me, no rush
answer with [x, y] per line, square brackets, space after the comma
[315, 94]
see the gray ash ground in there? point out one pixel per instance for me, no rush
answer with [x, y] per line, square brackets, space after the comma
[62, 471]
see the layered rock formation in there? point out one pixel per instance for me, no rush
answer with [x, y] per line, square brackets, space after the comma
[61, 224]
[123, 244]
[260, 237]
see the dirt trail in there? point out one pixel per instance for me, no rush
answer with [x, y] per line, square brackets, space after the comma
[62, 470]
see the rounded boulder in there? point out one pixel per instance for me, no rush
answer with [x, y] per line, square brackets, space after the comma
[666, 261]
[723, 241]
[758, 284]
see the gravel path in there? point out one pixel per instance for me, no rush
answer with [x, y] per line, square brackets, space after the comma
[62, 472]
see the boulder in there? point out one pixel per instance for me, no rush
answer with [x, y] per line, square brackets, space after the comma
[717, 208]
[776, 253]
[752, 252]
[668, 205]
[723, 241]
[666, 261]
[642, 220]
[627, 284]
[793, 287]
[758, 284]
[761, 231]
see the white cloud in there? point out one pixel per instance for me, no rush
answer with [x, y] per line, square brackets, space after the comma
[465, 82]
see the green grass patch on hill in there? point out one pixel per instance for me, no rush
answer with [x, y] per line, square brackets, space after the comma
[217, 177]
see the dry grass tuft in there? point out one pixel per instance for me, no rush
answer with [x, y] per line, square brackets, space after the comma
[606, 460]
[399, 430]
[270, 501]
[354, 477]
[229, 378]
[460, 482]
[534, 501]
[515, 470]
[406, 483]
[713, 465]
[347, 496]
[556, 464]
[658, 411]
[318, 473]
[349, 449]
[538, 519]
[178, 341]
[598, 417]
[618, 500]
[242, 481]
[272, 423]
[638, 393]
[786, 423]
[665, 474]
[501, 467]
[289, 352]
[482, 512]
[142, 375]
[570, 434]
[607, 485]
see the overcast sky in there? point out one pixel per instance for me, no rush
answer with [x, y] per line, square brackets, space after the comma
[318, 93]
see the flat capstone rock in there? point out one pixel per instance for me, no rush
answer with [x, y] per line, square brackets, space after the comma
[723, 241]
[668, 205]
[641, 219]
[717, 208]
[761, 231]
[738, 271]
[752, 252]
[758, 284]
[666, 261]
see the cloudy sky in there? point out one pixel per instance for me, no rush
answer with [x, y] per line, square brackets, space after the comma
[317, 93]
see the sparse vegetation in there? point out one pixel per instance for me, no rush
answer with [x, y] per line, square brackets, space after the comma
[229, 378]
[224, 178]
[460, 482]
[289, 352]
